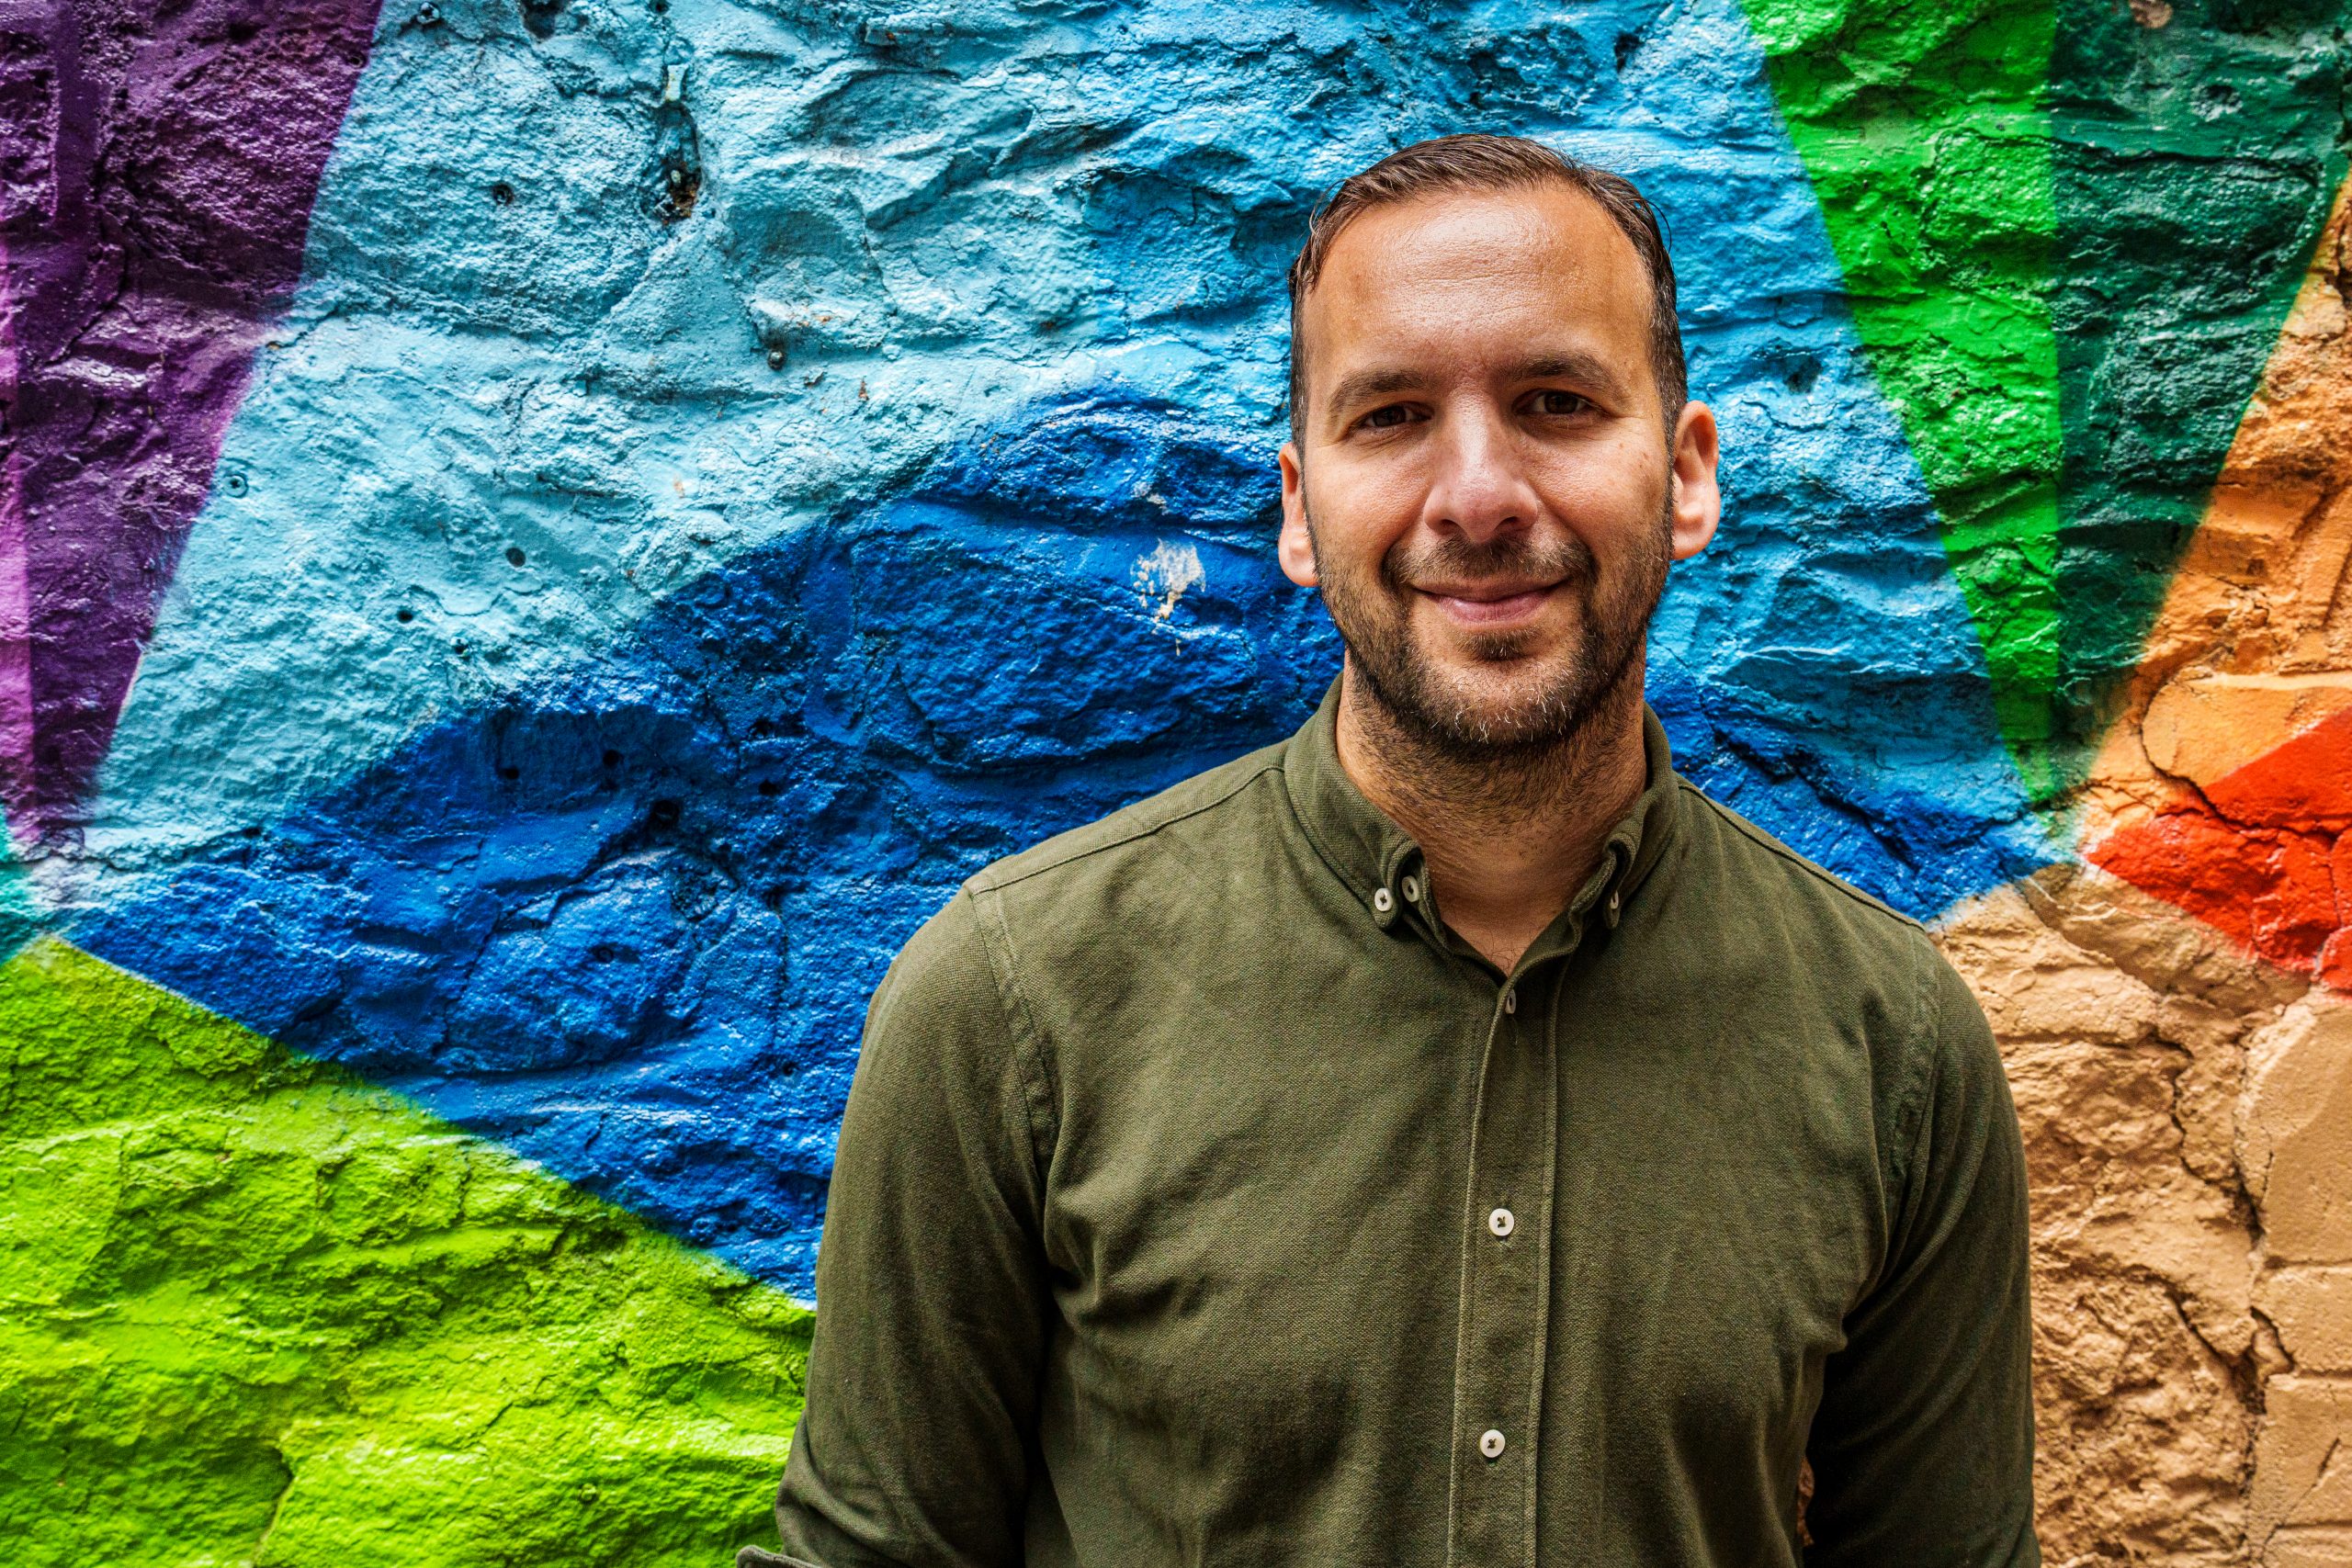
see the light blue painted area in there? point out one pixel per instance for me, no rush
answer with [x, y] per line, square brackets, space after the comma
[937, 214]
[601, 853]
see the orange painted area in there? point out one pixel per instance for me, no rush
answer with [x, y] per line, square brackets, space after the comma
[2254, 644]
[2224, 787]
[2262, 854]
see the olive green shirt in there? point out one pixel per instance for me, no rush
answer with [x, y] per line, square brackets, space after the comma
[1202, 1200]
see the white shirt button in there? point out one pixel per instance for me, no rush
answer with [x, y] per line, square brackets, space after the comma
[1491, 1443]
[1510, 1000]
[1613, 900]
[1383, 900]
[1412, 890]
[1500, 1222]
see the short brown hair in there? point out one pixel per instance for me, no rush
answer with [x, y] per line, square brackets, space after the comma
[1476, 162]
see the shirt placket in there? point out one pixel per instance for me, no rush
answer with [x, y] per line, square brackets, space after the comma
[1506, 1277]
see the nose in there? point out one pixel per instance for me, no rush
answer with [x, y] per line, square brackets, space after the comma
[1480, 486]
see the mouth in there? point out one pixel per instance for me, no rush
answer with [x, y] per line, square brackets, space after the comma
[1489, 604]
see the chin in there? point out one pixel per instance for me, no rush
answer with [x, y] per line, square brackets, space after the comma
[1516, 711]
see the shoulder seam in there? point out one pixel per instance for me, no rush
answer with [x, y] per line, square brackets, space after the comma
[1911, 1119]
[1038, 1084]
[1143, 829]
[1762, 840]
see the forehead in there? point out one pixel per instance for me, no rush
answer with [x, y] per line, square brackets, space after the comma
[1456, 274]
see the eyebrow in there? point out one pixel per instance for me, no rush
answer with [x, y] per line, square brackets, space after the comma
[1590, 369]
[1362, 386]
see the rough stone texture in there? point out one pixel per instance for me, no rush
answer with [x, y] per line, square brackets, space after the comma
[156, 171]
[2070, 231]
[2226, 787]
[1944, 234]
[2255, 642]
[727, 468]
[1094, 195]
[254, 1311]
[2186, 1109]
[2142, 1281]
[2222, 790]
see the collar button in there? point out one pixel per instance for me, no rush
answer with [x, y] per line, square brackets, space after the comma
[1383, 900]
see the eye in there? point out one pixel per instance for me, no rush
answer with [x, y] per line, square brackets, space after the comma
[1553, 401]
[1387, 418]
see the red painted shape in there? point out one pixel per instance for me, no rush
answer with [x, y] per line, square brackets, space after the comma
[2305, 783]
[2263, 855]
[2340, 867]
[2335, 961]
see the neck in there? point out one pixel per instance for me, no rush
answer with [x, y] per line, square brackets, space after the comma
[1509, 838]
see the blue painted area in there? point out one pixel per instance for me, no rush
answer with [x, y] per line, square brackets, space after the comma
[1816, 668]
[627, 921]
[601, 850]
[519, 400]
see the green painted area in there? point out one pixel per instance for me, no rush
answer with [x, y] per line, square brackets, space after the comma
[1923, 127]
[2070, 237]
[2195, 165]
[253, 1312]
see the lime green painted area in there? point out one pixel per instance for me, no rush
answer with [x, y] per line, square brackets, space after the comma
[254, 1311]
[1925, 130]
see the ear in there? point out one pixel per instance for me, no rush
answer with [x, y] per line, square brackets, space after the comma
[1296, 548]
[1698, 499]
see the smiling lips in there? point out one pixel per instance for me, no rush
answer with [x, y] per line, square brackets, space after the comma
[1489, 604]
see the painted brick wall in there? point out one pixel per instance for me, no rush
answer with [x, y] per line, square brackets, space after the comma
[539, 541]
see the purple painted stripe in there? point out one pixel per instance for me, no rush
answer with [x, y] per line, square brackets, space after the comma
[16, 601]
[157, 167]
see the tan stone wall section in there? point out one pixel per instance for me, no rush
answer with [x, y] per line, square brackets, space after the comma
[2188, 1119]
[2187, 1108]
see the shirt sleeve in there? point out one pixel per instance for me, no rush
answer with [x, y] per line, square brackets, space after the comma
[1922, 1448]
[916, 1443]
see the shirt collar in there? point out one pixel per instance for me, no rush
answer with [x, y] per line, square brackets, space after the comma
[1381, 864]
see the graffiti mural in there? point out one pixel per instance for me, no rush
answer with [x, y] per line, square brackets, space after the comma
[538, 542]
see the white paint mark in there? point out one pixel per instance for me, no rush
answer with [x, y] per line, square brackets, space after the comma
[1165, 574]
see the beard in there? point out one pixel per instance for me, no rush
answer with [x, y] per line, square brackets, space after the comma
[1453, 717]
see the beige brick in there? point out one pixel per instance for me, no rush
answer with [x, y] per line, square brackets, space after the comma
[2312, 1309]
[2297, 1131]
[2303, 1457]
[2309, 1548]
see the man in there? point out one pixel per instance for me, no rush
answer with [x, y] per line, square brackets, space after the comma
[1445, 1136]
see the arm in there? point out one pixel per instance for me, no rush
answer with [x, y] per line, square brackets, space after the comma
[914, 1449]
[1922, 1448]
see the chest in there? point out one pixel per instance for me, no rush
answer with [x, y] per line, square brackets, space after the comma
[1343, 1245]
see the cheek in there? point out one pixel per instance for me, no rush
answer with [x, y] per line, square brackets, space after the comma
[1358, 515]
[1613, 492]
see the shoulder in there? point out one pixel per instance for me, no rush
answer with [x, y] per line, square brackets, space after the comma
[1788, 927]
[1763, 898]
[1155, 828]
[1189, 882]
[1088, 885]
[1759, 865]
[984, 989]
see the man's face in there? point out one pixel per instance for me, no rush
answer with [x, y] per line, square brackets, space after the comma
[1483, 486]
